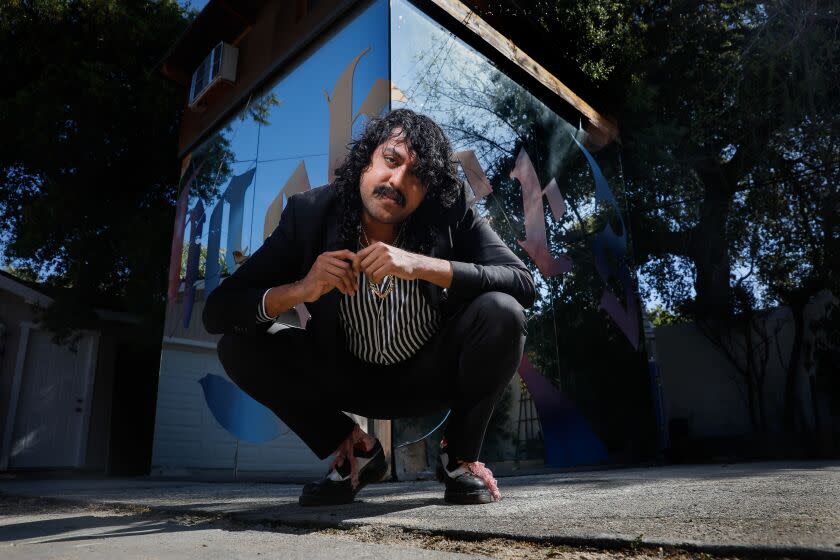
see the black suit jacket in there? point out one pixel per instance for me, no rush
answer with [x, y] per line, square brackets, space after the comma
[309, 225]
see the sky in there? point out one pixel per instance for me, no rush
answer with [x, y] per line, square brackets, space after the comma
[299, 126]
[194, 4]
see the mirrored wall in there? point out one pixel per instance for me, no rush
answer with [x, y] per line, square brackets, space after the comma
[584, 394]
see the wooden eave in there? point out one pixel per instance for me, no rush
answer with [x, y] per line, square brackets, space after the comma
[458, 16]
[230, 20]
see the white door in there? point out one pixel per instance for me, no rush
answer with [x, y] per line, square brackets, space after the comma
[53, 408]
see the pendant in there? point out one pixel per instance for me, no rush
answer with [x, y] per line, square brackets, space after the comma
[374, 289]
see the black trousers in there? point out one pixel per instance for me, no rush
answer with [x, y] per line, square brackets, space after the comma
[465, 367]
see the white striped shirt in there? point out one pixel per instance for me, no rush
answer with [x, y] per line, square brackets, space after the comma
[382, 331]
[390, 330]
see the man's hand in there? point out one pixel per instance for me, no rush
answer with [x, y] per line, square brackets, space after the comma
[331, 270]
[378, 260]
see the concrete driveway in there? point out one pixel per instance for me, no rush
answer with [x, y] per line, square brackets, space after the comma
[770, 509]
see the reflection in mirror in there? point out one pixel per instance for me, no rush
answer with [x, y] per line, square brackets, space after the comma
[541, 192]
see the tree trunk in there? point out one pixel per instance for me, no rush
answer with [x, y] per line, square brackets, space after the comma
[791, 393]
[749, 374]
[710, 250]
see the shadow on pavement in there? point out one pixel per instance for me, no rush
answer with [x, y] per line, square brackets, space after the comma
[317, 517]
[68, 521]
[85, 527]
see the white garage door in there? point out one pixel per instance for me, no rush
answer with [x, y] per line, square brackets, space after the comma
[53, 407]
[188, 438]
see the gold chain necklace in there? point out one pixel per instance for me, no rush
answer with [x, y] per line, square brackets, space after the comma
[374, 289]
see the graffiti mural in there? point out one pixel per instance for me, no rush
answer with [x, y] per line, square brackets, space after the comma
[530, 172]
[233, 197]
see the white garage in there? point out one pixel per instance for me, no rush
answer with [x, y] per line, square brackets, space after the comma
[188, 441]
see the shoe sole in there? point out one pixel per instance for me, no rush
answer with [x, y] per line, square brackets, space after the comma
[468, 498]
[462, 498]
[375, 474]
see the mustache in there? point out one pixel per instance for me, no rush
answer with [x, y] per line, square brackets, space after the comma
[385, 190]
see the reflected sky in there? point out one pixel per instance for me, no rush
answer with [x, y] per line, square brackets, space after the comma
[444, 78]
[298, 129]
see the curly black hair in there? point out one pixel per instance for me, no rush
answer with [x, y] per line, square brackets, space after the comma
[434, 166]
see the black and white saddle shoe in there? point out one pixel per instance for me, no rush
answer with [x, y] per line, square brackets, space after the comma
[336, 488]
[462, 486]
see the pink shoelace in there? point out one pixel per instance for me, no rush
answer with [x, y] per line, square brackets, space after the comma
[481, 471]
[485, 474]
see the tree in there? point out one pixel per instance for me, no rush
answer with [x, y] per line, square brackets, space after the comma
[88, 155]
[729, 127]
[751, 112]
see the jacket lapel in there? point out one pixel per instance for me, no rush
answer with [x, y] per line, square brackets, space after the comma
[327, 305]
[440, 250]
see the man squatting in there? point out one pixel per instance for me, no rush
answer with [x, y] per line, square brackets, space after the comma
[416, 307]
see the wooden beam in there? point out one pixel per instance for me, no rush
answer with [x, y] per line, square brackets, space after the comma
[381, 429]
[508, 49]
[237, 13]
